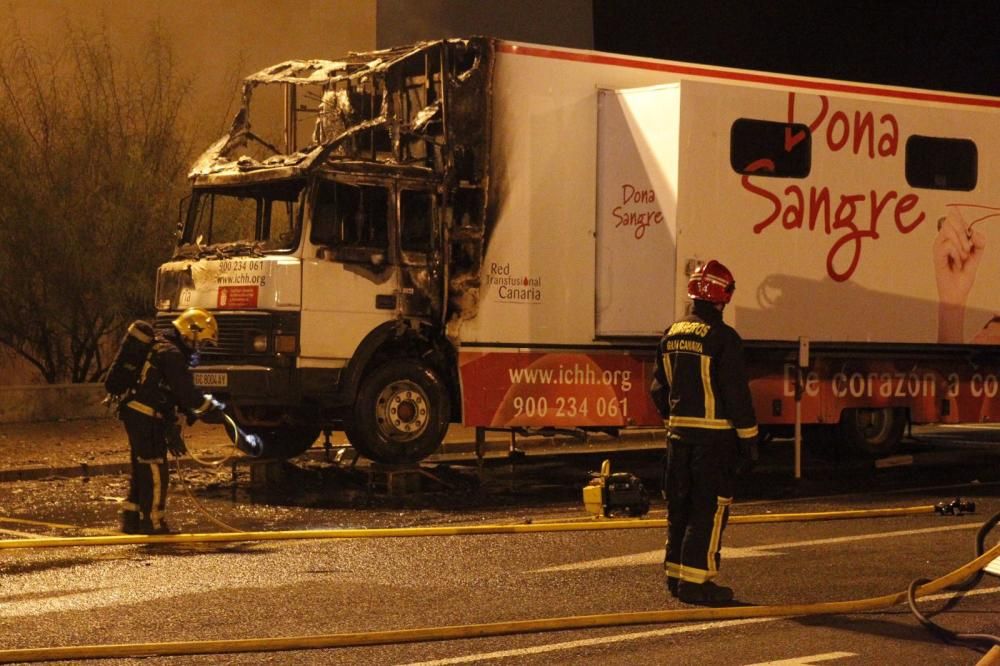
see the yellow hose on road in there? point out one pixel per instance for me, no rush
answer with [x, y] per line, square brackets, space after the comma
[992, 658]
[454, 632]
[457, 530]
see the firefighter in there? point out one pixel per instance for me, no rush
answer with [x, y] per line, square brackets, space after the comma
[149, 415]
[700, 388]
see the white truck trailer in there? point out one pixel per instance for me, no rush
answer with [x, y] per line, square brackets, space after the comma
[496, 233]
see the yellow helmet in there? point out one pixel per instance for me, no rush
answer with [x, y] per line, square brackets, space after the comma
[197, 326]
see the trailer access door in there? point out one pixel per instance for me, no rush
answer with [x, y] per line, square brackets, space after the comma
[636, 227]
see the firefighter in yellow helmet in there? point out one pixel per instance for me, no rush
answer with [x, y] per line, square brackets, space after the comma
[149, 414]
[700, 387]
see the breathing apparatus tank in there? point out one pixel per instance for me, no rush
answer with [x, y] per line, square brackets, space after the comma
[126, 368]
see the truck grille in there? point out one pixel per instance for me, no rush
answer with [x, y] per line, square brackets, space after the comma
[237, 331]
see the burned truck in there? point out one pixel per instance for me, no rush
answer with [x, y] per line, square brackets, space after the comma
[494, 233]
[335, 262]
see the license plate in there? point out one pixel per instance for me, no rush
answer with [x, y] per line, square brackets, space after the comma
[211, 379]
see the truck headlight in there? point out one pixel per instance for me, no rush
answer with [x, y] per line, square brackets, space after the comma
[259, 343]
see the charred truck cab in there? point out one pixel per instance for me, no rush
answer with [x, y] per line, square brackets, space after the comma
[328, 266]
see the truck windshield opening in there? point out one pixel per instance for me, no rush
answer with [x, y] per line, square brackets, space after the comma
[264, 217]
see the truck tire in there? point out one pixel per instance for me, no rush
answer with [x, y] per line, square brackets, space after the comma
[873, 432]
[401, 413]
[286, 441]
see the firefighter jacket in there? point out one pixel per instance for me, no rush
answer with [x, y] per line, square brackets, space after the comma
[700, 382]
[166, 385]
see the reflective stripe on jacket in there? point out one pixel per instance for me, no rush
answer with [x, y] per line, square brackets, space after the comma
[700, 380]
[166, 384]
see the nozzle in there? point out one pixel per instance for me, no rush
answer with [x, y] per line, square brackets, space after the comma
[247, 442]
[250, 444]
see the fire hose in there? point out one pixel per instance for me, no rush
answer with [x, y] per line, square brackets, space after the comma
[947, 635]
[248, 443]
[450, 530]
[959, 577]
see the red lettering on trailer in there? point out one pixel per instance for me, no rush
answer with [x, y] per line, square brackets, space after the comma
[801, 211]
[792, 139]
[632, 193]
[841, 131]
[626, 216]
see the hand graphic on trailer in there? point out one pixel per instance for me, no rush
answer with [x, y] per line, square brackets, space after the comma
[958, 251]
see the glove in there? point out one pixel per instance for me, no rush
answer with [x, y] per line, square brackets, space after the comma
[749, 454]
[214, 413]
[175, 442]
[658, 393]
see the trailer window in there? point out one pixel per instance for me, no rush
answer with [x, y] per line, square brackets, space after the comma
[351, 216]
[935, 163]
[416, 223]
[768, 148]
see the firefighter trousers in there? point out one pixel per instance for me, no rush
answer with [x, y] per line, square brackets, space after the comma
[700, 479]
[147, 495]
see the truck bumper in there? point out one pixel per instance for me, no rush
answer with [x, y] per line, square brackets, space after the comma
[248, 383]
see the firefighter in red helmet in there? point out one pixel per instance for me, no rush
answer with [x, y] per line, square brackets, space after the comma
[700, 387]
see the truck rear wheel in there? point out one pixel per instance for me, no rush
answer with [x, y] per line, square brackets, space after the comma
[873, 432]
[401, 413]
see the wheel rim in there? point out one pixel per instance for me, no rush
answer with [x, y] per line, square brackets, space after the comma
[402, 411]
[874, 425]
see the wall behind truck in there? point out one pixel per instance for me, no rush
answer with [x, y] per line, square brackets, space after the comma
[216, 43]
[562, 22]
[52, 402]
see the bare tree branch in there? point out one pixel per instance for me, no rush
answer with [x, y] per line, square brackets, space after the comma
[92, 160]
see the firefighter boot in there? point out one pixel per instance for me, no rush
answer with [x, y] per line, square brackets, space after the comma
[672, 585]
[707, 594]
[160, 528]
[130, 522]
[133, 523]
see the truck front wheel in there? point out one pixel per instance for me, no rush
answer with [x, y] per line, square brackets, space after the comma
[873, 432]
[401, 413]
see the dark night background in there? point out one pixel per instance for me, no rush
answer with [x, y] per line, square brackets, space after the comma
[932, 44]
[938, 44]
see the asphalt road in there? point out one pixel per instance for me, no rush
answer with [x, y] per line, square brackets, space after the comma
[136, 594]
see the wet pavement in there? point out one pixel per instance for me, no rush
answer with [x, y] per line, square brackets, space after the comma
[173, 592]
[76, 472]
[91, 447]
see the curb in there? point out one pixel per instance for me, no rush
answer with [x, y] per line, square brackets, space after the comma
[458, 450]
[41, 472]
[627, 439]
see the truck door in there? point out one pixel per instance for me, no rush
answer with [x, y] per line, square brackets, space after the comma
[421, 291]
[349, 281]
[373, 253]
[636, 227]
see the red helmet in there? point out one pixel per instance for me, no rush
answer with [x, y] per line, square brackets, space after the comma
[712, 282]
